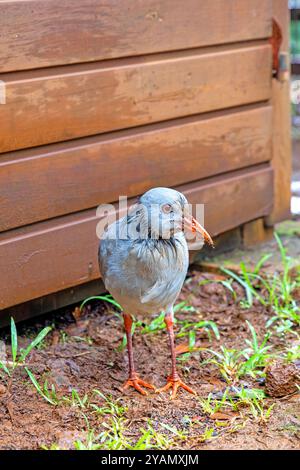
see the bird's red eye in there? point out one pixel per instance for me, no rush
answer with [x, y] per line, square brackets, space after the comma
[166, 208]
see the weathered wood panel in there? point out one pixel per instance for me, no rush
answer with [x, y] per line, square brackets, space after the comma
[55, 255]
[282, 153]
[39, 33]
[84, 174]
[61, 104]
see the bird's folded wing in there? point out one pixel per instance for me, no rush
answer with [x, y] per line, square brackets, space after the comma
[162, 292]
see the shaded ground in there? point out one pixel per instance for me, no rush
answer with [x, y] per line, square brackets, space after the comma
[83, 355]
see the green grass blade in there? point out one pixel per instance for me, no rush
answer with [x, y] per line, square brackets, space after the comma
[106, 298]
[241, 282]
[3, 366]
[179, 306]
[37, 386]
[261, 262]
[35, 342]
[14, 339]
[254, 336]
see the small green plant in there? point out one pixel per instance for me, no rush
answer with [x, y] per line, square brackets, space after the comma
[19, 356]
[47, 394]
[273, 291]
[229, 363]
[208, 434]
[114, 437]
[152, 439]
[76, 401]
[292, 352]
[110, 407]
[245, 395]
[211, 405]
[233, 363]
[259, 411]
[256, 354]
[90, 443]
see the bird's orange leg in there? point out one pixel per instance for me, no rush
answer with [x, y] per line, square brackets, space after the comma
[173, 381]
[133, 379]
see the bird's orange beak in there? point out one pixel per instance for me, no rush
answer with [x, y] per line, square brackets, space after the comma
[193, 225]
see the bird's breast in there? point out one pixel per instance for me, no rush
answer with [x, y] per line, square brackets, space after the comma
[146, 276]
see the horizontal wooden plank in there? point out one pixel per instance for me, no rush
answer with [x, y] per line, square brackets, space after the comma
[60, 179]
[54, 255]
[39, 33]
[42, 109]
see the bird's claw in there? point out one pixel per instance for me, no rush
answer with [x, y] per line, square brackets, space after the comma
[175, 384]
[138, 383]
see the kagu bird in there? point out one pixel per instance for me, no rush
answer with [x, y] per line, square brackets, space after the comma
[143, 260]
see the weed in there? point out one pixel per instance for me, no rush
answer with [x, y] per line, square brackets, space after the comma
[210, 405]
[19, 356]
[233, 363]
[76, 401]
[274, 291]
[259, 411]
[110, 408]
[292, 353]
[49, 395]
[256, 354]
[245, 395]
[229, 363]
[152, 439]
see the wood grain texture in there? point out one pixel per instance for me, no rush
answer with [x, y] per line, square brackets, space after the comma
[37, 184]
[50, 106]
[281, 125]
[54, 255]
[39, 33]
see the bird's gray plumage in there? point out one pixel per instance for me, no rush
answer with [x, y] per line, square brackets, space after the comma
[145, 274]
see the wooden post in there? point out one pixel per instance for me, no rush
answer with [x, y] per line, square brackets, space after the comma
[281, 141]
[256, 232]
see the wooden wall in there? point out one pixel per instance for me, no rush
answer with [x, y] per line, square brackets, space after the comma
[105, 98]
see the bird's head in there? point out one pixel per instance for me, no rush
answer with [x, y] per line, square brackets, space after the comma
[163, 212]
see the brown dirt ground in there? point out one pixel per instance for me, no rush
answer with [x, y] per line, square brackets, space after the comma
[82, 355]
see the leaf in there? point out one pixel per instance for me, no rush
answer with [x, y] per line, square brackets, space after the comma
[14, 339]
[157, 324]
[106, 298]
[179, 306]
[243, 284]
[192, 339]
[37, 386]
[35, 342]
[261, 262]
[206, 324]
[3, 366]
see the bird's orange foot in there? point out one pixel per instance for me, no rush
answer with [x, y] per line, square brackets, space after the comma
[175, 384]
[138, 383]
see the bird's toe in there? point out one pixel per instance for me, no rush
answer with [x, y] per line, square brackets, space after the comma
[137, 384]
[175, 384]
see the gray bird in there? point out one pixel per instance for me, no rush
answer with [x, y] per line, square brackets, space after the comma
[143, 260]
